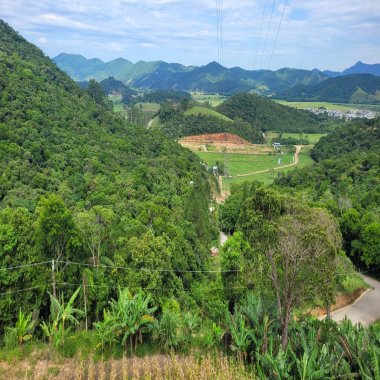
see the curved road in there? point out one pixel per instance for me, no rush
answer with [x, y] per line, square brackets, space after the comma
[366, 309]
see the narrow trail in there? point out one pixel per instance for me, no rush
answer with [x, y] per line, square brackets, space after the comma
[366, 309]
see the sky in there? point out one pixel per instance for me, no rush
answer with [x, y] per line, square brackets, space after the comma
[323, 34]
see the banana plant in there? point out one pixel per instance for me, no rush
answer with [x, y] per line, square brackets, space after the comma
[190, 326]
[60, 314]
[241, 335]
[22, 329]
[106, 330]
[133, 316]
[279, 366]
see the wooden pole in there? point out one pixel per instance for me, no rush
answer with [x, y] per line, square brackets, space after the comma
[53, 278]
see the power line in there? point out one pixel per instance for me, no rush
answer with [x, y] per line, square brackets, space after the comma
[147, 269]
[219, 33]
[22, 290]
[278, 30]
[26, 265]
[259, 35]
[266, 37]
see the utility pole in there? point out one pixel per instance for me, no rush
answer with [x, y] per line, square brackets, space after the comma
[53, 277]
[85, 297]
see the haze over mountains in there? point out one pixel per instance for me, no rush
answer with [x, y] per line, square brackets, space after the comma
[209, 78]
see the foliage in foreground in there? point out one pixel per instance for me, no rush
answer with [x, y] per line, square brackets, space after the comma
[155, 367]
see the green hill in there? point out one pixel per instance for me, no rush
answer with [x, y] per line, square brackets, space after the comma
[356, 88]
[206, 111]
[69, 168]
[267, 115]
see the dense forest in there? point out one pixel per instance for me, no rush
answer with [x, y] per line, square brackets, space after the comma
[106, 230]
[78, 184]
[346, 180]
[267, 115]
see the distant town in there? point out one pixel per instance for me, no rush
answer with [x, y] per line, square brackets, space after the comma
[348, 115]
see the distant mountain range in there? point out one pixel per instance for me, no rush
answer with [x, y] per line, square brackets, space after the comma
[209, 78]
[356, 88]
[358, 68]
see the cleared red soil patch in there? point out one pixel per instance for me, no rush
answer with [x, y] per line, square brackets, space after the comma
[223, 142]
[216, 138]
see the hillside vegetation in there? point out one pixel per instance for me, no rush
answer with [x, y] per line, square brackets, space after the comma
[357, 88]
[266, 114]
[177, 122]
[78, 184]
[346, 181]
[105, 237]
[205, 111]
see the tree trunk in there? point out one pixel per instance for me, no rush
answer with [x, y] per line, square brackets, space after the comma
[328, 311]
[285, 327]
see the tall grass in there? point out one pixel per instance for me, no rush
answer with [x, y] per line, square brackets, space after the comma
[156, 367]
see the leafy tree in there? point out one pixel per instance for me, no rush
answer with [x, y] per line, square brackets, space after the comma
[95, 228]
[369, 244]
[96, 91]
[232, 265]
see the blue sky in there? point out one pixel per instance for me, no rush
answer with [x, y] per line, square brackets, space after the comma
[327, 34]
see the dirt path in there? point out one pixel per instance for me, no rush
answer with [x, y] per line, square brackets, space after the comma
[150, 123]
[295, 162]
[366, 309]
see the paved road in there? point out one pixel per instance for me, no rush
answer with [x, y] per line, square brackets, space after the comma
[366, 309]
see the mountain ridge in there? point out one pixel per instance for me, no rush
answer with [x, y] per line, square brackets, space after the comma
[355, 88]
[212, 77]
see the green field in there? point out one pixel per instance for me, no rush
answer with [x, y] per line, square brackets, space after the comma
[213, 99]
[148, 107]
[247, 163]
[269, 177]
[206, 111]
[329, 106]
[312, 137]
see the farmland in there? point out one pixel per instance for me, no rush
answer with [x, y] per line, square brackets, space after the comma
[238, 165]
[213, 99]
[329, 106]
[313, 138]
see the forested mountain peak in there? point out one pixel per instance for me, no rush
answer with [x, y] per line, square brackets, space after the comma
[266, 114]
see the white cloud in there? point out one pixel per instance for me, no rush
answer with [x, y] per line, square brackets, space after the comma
[334, 34]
